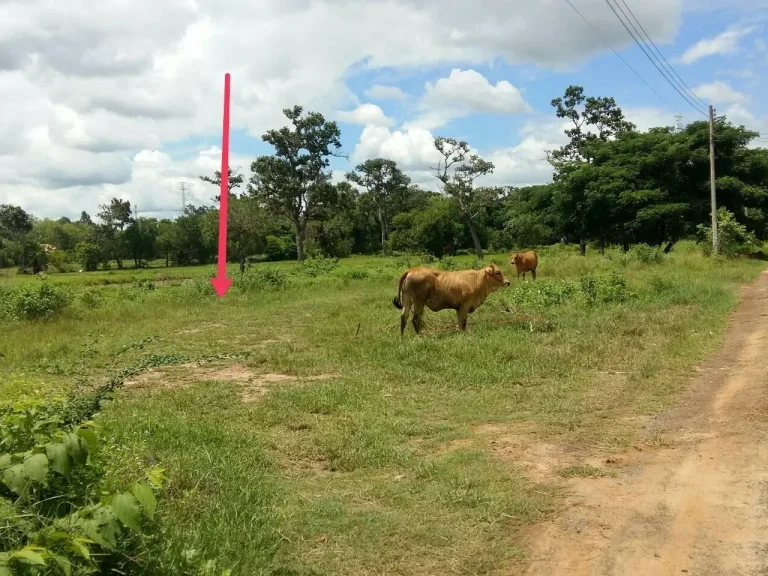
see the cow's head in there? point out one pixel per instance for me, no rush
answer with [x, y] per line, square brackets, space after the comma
[495, 277]
[515, 258]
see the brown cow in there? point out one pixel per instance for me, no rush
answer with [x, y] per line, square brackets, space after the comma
[525, 262]
[462, 290]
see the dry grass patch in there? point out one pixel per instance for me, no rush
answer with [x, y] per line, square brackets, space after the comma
[254, 385]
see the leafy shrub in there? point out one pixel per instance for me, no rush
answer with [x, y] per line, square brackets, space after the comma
[589, 289]
[198, 287]
[90, 298]
[58, 259]
[260, 279]
[448, 263]
[33, 301]
[543, 294]
[314, 267]
[279, 249]
[611, 288]
[647, 254]
[56, 514]
[733, 238]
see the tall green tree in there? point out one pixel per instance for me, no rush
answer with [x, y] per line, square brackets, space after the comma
[115, 216]
[234, 180]
[382, 179]
[295, 181]
[593, 118]
[459, 183]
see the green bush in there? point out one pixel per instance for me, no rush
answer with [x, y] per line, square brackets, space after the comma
[314, 267]
[260, 279]
[33, 301]
[57, 511]
[448, 263]
[733, 238]
[279, 249]
[647, 254]
[57, 518]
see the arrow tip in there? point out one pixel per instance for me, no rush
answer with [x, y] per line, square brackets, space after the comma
[221, 285]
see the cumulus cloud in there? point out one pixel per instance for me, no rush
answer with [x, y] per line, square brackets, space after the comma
[470, 89]
[109, 80]
[720, 93]
[725, 43]
[464, 92]
[367, 115]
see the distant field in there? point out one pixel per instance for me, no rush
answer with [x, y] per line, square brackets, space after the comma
[302, 436]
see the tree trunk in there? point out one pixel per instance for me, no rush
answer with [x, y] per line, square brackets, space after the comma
[475, 239]
[300, 233]
[383, 230]
[166, 260]
[582, 247]
[602, 247]
[242, 264]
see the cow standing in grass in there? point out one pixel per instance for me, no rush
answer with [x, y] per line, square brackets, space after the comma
[525, 262]
[463, 291]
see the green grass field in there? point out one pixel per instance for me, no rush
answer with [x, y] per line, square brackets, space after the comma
[301, 435]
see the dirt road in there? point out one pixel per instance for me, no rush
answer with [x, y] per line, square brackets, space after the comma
[698, 506]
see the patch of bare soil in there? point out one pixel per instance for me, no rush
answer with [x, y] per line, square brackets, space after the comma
[198, 329]
[694, 498]
[253, 385]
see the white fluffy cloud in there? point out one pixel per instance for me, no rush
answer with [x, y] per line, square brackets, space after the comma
[725, 43]
[367, 115]
[463, 92]
[720, 93]
[85, 87]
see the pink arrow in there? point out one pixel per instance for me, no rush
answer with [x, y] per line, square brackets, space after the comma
[221, 282]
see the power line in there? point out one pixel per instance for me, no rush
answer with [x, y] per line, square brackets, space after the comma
[682, 82]
[651, 88]
[662, 72]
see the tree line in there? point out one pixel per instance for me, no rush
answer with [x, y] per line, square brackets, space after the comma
[611, 185]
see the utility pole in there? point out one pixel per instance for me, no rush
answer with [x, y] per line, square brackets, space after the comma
[715, 243]
[678, 123]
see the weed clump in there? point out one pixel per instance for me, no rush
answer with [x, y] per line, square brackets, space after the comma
[647, 254]
[33, 301]
[318, 266]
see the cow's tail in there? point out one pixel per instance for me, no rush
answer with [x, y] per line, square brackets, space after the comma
[397, 300]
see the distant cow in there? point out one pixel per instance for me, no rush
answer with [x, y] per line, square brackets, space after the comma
[463, 291]
[525, 262]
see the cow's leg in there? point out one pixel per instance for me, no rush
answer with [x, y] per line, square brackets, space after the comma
[533, 272]
[406, 312]
[461, 316]
[418, 312]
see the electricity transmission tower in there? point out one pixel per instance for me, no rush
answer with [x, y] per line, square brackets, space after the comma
[183, 194]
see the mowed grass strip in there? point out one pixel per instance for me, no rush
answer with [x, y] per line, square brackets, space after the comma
[362, 452]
